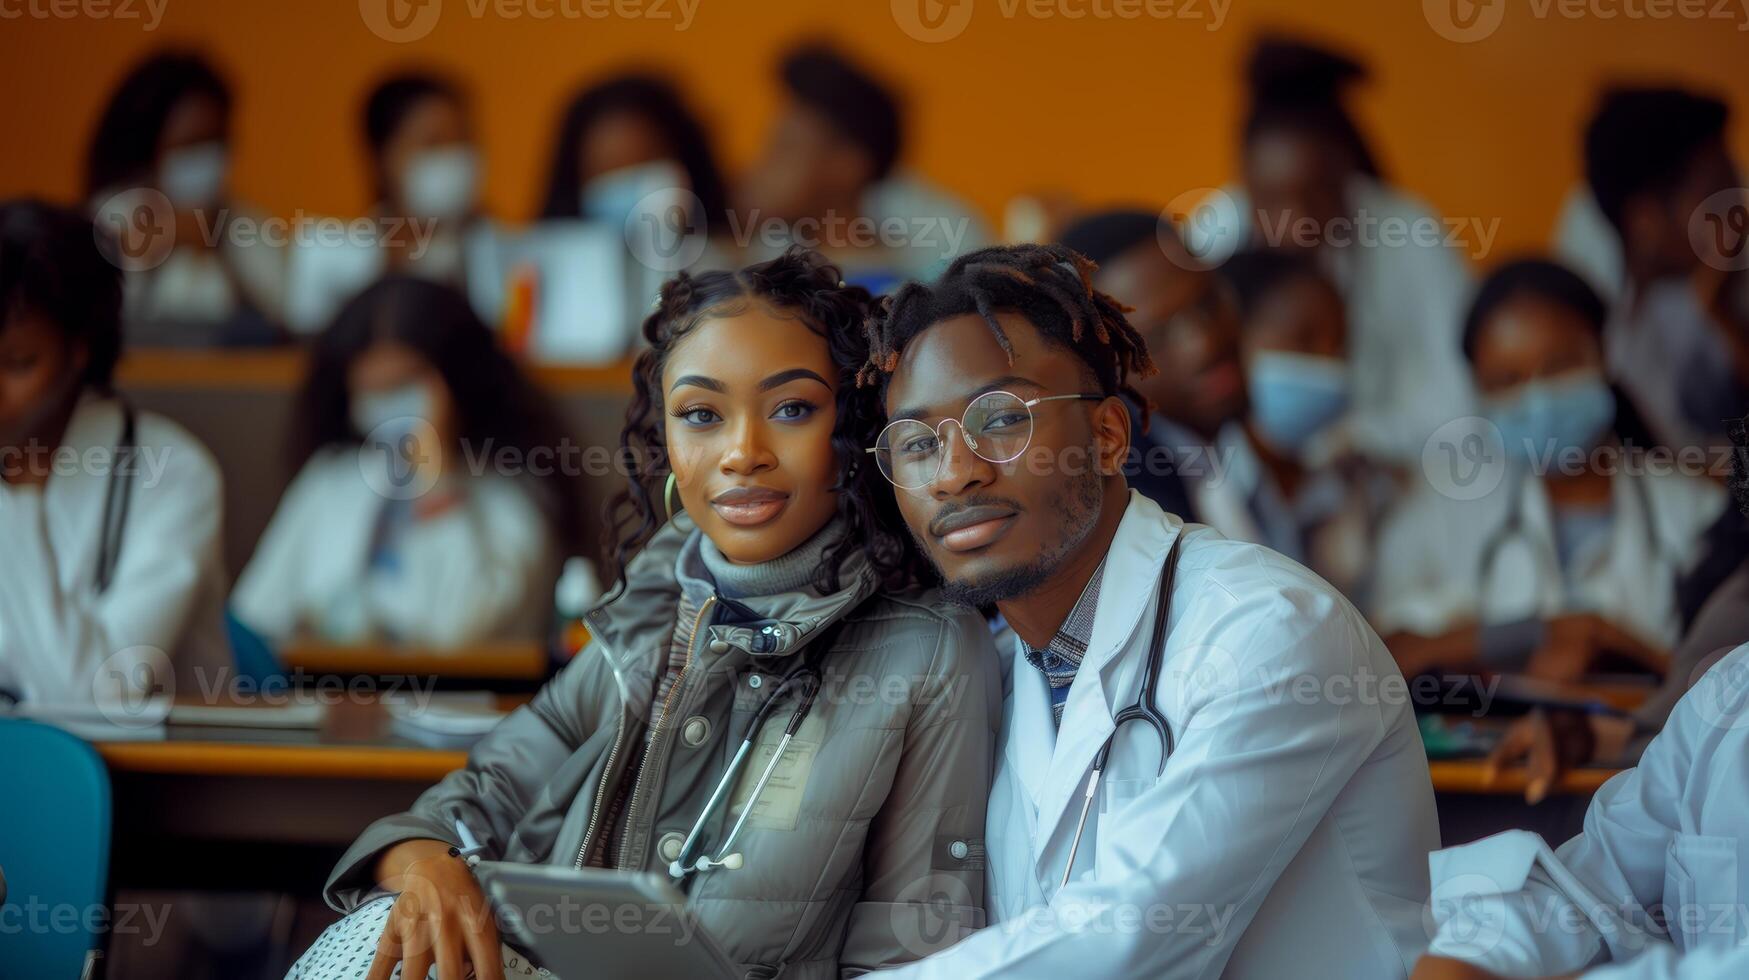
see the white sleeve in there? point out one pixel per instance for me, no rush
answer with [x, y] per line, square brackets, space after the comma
[1526, 911]
[73, 646]
[1254, 772]
[465, 575]
[268, 597]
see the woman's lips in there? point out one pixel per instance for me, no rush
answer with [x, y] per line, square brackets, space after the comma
[749, 507]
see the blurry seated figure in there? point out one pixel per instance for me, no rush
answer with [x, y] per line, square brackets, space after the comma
[1677, 338]
[1284, 478]
[1189, 320]
[433, 503]
[1311, 183]
[1544, 537]
[110, 516]
[161, 158]
[827, 179]
[425, 172]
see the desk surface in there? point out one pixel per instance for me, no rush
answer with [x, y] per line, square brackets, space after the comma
[282, 369]
[520, 660]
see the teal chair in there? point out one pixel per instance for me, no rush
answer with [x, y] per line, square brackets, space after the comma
[54, 846]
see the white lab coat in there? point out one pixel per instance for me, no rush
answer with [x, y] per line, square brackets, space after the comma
[62, 642]
[1670, 833]
[1405, 302]
[1288, 832]
[1430, 577]
[325, 271]
[483, 569]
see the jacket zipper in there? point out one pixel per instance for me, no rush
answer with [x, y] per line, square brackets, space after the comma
[664, 726]
[600, 789]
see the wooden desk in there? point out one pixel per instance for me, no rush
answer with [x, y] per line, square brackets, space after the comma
[1468, 776]
[518, 660]
[418, 765]
[283, 369]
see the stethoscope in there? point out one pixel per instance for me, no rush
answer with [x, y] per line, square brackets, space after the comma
[806, 678]
[1514, 525]
[1144, 710]
[117, 496]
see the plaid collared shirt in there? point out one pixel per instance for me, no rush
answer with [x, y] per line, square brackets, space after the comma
[1062, 658]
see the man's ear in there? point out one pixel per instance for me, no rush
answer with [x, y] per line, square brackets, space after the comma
[1111, 435]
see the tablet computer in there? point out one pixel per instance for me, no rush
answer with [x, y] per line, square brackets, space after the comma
[603, 925]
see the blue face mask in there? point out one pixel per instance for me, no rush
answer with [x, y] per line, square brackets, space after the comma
[1295, 396]
[611, 197]
[1552, 416]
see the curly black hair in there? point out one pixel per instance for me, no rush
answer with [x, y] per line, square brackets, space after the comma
[1050, 285]
[803, 284]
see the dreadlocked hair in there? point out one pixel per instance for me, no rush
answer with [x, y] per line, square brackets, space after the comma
[1050, 285]
[800, 284]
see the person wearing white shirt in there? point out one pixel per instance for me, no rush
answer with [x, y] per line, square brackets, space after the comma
[1677, 338]
[111, 516]
[1311, 183]
[164, 144]
[1547, 535]
[1276, 824]
[1652, 889]
[435, 497]
[426, 220]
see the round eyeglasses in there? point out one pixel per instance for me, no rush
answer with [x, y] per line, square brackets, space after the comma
[997, 426]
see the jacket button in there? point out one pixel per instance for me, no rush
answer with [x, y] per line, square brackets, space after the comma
[697, 729]
[719, 646]
[669, 846]
[959, 850]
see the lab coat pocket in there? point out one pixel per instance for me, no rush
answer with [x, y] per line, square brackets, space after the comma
[1700, 891]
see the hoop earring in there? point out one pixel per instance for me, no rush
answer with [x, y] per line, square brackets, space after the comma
[668, 494]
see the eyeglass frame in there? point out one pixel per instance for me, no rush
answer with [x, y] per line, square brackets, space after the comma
[1026, 403]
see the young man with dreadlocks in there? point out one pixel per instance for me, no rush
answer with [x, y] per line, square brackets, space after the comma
[1277, 822]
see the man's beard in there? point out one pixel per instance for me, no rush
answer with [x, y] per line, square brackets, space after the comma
[1079, 505]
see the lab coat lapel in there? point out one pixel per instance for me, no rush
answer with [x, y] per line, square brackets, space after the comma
[1030, 737]
[1126, 597]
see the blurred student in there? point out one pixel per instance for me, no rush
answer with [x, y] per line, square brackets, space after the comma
[425, 173]
[1562, 543]
[1311, 182]
[167, 128]
[1284, 481]
[404, 523]
[1186, 316]
[110, 516]
[1656, 164]
[1548, 743]
[828, 179]
[623, 138]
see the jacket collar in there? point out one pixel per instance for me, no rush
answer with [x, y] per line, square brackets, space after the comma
[637, 621]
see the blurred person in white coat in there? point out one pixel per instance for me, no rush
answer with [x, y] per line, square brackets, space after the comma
[1310, 181]
[435, 495]
[111, 516]
[1549, 533]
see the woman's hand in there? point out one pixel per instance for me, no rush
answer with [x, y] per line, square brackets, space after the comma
[1576, 641]
[440, 918]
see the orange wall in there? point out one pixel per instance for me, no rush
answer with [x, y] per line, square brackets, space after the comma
[1109, 109]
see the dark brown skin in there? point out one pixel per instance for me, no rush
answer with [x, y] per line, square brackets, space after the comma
[940, 371]
[618, 140]
[1290, 177]
[1528, 339]
[434, 123]
[1191, 330]
[39, 385]
[745, 435]
[778, 438]
[1440, 968]
[193, 120]
[807, 170]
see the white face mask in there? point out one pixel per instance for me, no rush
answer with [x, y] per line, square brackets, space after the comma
[441, 184]
[611, 197]
[194, 176]
[387, 415]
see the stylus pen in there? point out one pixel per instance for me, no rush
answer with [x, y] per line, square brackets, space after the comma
[471, 846]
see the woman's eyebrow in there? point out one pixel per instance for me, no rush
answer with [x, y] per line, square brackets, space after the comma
[793, 374]
[697, 381]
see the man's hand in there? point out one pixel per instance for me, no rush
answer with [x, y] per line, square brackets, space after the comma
[1546, 744]
[1441, 968]
[440, 918]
